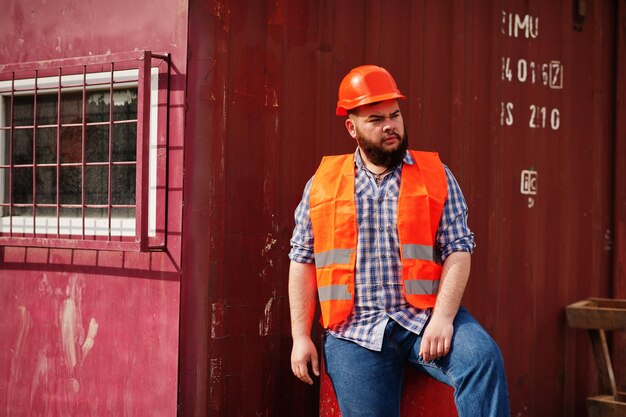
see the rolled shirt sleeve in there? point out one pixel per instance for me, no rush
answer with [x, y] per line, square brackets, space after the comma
[302, 238]
[453, 234]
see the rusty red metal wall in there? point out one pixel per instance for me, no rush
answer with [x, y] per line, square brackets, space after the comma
[517, 96]
[619, 225]
[125, 303]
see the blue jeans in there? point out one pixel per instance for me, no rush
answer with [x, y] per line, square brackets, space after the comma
[369, 383]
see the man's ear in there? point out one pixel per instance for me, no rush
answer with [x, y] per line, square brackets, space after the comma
[350, 126]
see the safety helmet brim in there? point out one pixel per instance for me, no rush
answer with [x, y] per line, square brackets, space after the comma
[342, 109]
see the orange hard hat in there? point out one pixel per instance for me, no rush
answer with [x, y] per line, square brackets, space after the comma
[364, 85]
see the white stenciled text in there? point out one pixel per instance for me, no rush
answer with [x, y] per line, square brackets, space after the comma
[515, 25]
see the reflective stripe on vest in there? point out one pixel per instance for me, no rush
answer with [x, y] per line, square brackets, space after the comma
[422, 252]
[333, 292]
[333, 256]
[421, 286]
[423, 191]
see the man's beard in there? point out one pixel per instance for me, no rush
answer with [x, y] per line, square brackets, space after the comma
[378, 155]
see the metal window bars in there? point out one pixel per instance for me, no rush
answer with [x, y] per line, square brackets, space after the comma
[26, 78]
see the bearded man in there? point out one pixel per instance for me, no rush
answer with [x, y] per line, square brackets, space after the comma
[381, 241]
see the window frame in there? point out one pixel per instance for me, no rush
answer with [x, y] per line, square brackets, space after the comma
[152, 83]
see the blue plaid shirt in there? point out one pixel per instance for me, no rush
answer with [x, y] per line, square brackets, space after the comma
[378, 287]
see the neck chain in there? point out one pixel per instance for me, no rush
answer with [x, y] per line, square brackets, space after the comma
[377, 177]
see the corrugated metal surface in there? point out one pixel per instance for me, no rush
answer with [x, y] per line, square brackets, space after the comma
[619, 225]
[504, 90]
[86, 332]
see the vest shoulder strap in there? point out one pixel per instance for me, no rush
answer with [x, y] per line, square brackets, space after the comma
[332, 205]
[433, 173]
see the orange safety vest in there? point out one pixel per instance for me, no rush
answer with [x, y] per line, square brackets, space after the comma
[423, 192]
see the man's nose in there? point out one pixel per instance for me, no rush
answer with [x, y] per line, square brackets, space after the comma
[389, 126]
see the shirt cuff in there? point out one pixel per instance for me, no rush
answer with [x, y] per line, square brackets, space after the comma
[465, 244]
[301, 254]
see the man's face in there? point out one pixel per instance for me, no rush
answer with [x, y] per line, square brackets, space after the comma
[379, 132]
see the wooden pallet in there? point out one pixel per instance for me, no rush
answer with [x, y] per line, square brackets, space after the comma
[599, 315]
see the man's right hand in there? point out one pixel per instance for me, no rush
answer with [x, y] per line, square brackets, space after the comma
[302, 353]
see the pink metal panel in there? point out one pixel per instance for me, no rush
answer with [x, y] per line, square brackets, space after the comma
[70, 350]
[51, 299]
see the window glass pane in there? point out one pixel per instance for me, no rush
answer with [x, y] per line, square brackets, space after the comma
[97, 143]
[47, 212]
[46, 146]
[4, 147]
[125, 104]
[124, 142]
[71, 107]
[97, 106]
[123, 213]
[22, 212]
[100, 213]
[23, 110]
[69, 212]
[70, 185]
[4, 185]
[96, 185]
[6, 117]
[22, 185]
[23, 146]
[71, 144]
[47, 109]
[123, 184]
[46, 186]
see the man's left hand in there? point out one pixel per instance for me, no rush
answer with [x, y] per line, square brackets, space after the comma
[437, 339]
